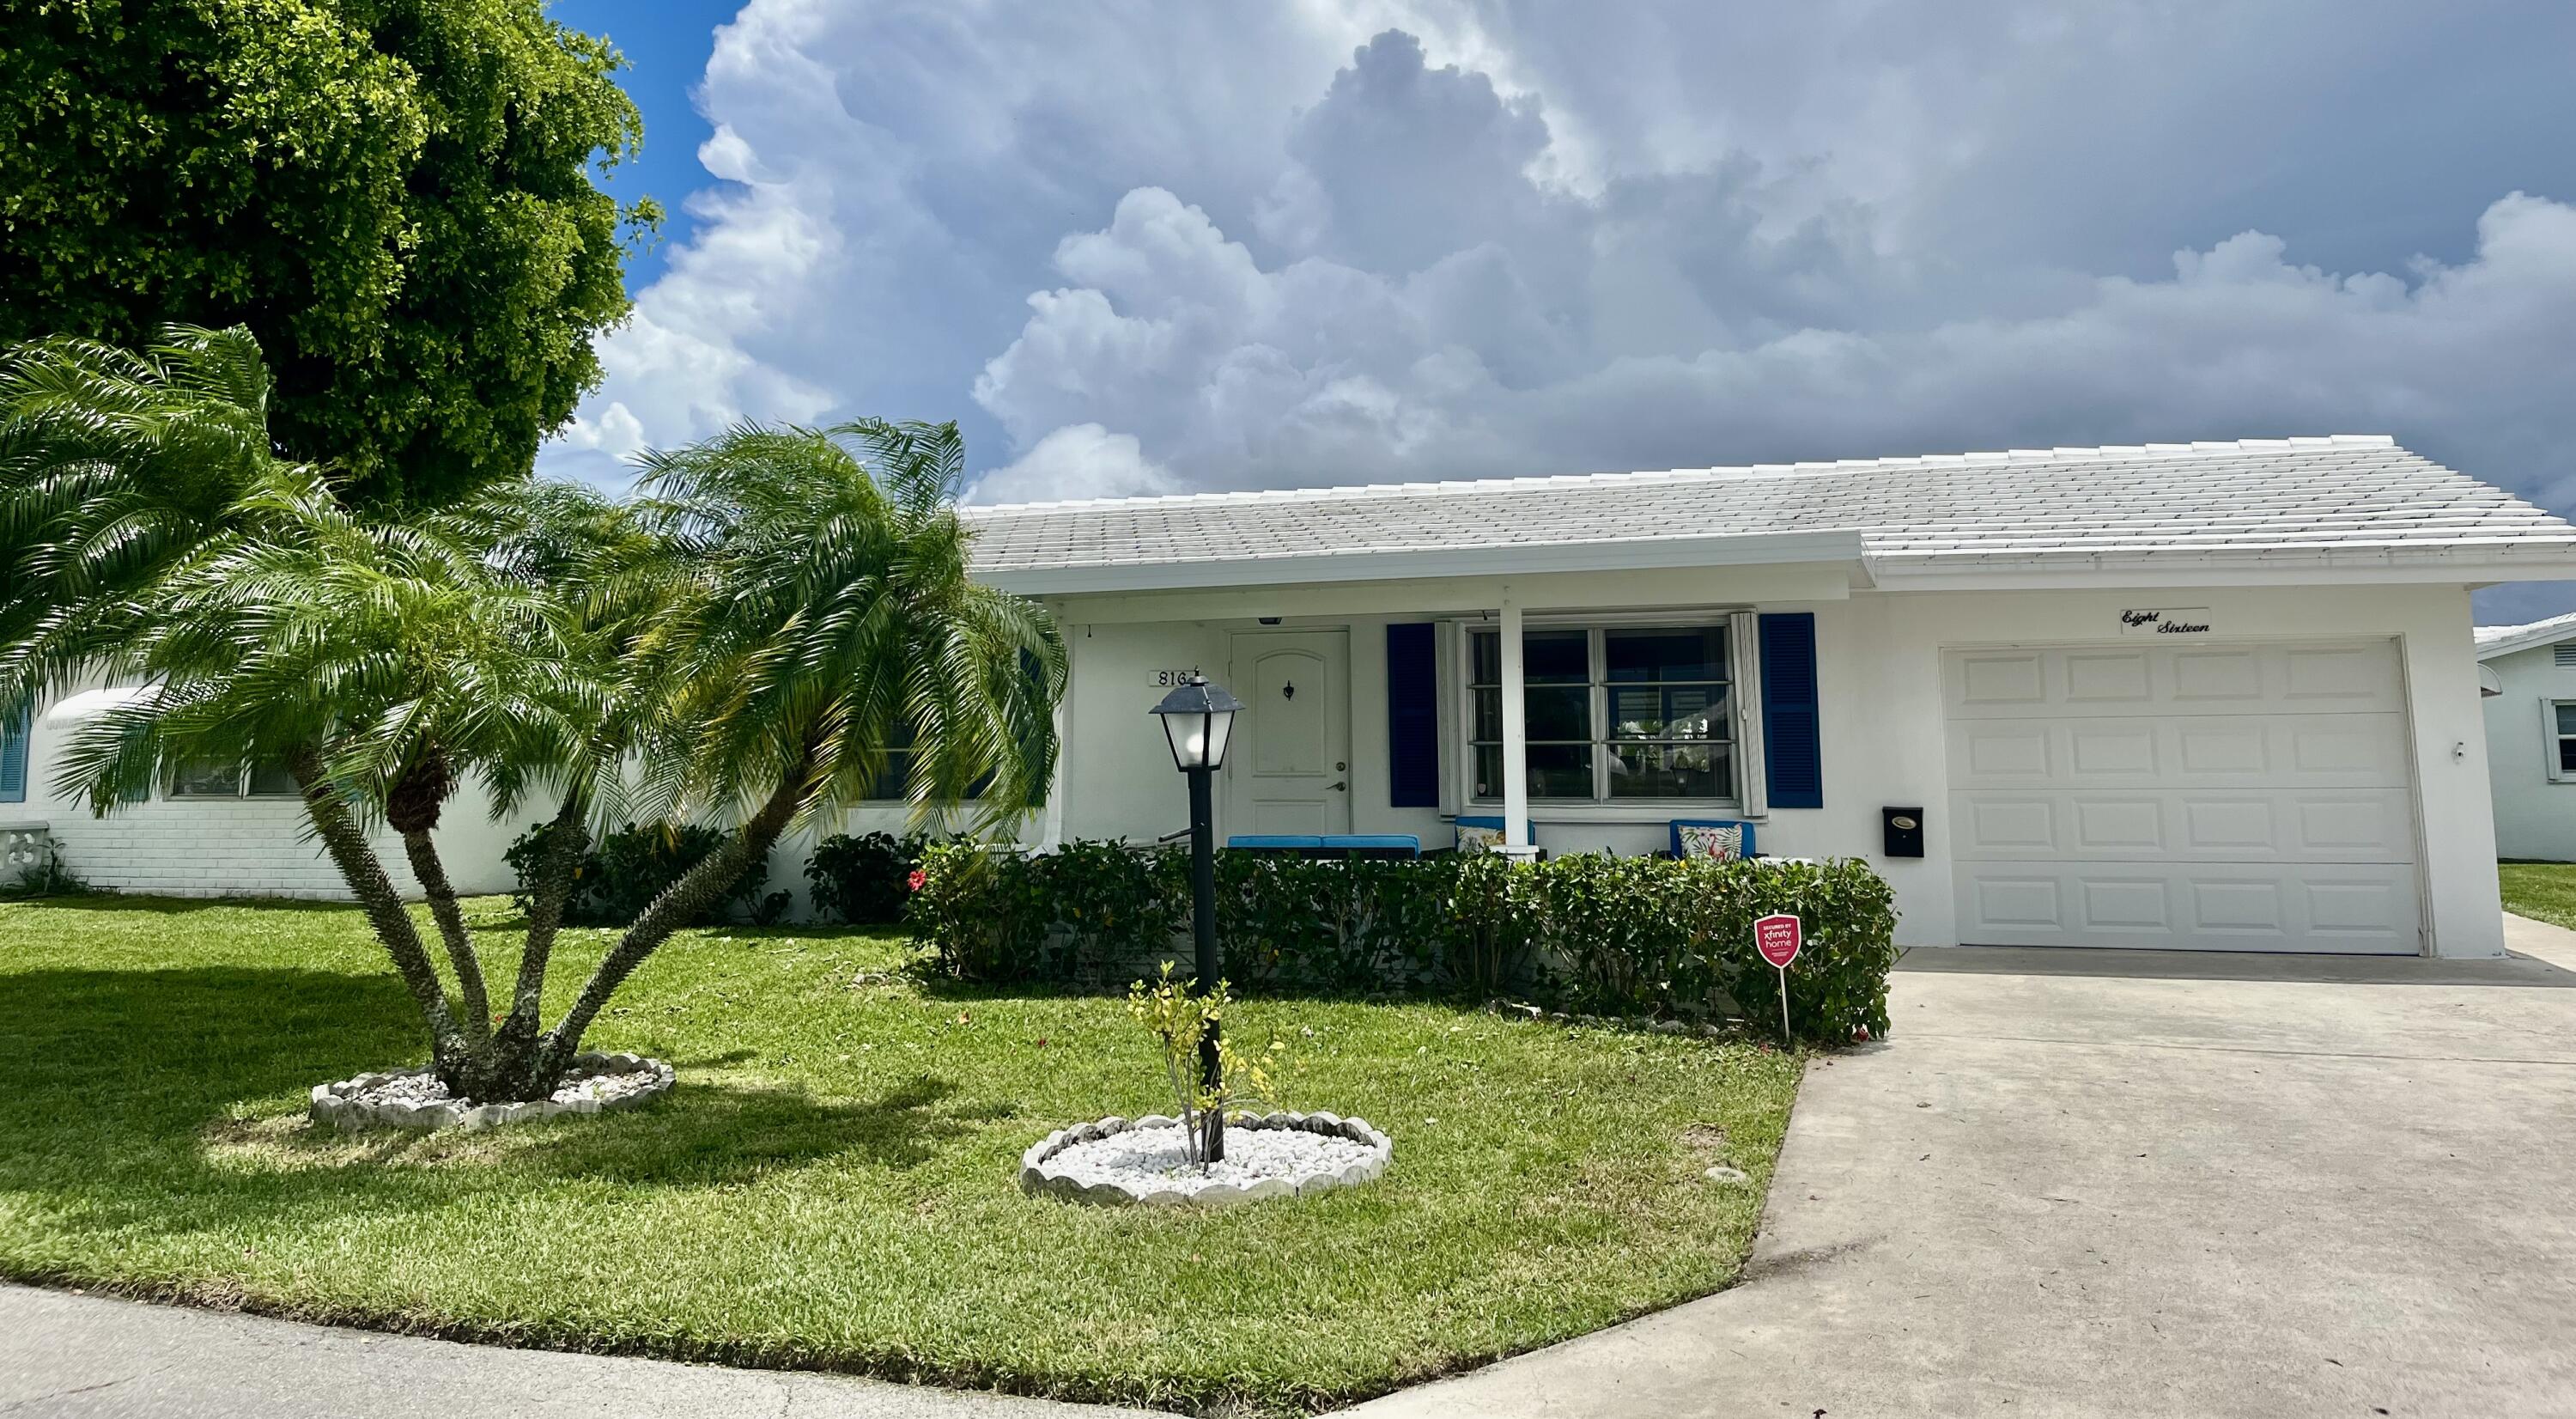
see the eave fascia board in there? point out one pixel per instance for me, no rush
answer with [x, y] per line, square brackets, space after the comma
[2420, 569]
[1624, 590]
[1508, 559]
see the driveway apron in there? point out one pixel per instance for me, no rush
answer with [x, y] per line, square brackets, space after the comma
[2110, 1183]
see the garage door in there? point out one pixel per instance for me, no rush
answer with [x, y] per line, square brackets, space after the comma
[2202, 797]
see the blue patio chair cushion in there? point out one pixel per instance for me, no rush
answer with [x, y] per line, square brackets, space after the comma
[1275, 842]
[1374, 844]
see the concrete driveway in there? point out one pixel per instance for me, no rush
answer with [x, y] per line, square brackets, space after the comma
[2083, 1183]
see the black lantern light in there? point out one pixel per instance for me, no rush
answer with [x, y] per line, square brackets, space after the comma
[1198, 719]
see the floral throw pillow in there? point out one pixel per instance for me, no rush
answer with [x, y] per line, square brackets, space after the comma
[1475, 839]
[1725, 844]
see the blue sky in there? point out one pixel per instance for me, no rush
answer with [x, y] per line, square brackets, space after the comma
[1167, 246]
[666, 43]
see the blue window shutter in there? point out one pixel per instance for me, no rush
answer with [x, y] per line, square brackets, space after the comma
[1792, 736]
[13, 760]
[1412, 717]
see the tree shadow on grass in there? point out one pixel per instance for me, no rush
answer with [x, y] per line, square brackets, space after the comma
[182, 906]
[126, 1110]
[702, 1134]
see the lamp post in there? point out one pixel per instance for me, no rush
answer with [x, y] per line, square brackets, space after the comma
[1198, 719]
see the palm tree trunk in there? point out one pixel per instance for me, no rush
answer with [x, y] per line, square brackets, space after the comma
[383, 906]
[514, 1048]
[701, 887]
[472, 1001]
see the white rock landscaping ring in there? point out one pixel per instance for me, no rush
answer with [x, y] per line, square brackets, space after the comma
[414, 1098]
[1118, 1161]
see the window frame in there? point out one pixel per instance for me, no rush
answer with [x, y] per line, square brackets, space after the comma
[1743, 686]
[241, 793]
[2552, 742]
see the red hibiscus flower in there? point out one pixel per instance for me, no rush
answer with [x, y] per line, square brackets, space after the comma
[913, 882]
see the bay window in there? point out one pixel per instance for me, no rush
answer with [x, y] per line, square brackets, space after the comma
[1614, 714]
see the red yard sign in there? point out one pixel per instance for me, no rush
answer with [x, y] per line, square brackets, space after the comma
[1778, 939]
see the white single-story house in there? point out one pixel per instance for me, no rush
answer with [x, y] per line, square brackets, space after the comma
[2204, 696]
[2210, 696]
[2528, 678]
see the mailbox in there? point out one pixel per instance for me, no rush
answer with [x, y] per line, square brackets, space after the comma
[1902, 831]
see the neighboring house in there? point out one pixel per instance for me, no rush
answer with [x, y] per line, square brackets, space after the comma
[2207, 696]
[2201, 696]
[2529, 685]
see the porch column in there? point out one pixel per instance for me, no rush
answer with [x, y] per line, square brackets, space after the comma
[1516, 824]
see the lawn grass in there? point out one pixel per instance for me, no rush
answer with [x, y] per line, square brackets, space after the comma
[2543, 891]
[833, 1184]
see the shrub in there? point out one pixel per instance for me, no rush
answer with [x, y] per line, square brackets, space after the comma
[983, 914]
[860, 880]
[1670, 938]
[626, 870]
[1111, 906]
[1179, 1019]
[1598, 934]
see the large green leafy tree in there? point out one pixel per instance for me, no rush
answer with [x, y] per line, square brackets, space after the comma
[741, 643]
[399, 199]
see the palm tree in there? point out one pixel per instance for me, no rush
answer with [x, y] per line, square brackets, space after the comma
[815, 609]
[749, 635]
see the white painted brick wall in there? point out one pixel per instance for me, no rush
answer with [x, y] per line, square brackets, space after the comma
[252, 847]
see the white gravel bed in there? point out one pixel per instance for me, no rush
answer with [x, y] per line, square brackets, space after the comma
[415, 1098]
[1266, 1155]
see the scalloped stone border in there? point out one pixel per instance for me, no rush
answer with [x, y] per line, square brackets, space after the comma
[336, 1104]
[1037, 1177]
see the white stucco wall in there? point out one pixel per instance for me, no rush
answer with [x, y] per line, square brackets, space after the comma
[2535, 815]
[1879, 672]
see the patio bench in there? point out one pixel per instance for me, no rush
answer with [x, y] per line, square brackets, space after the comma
[1336, 846]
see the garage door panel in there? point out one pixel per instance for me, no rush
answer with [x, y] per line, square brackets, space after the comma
[2216, 751]
[2359, 677]
[2334, 908]
[2001, 680]
[1994, 825]
[2023, 904]
[2124, 677]
[2186, 825]
[2364, 677]
[2106, 825]
[2110, 750]
[2209, 797]
[2227, 679]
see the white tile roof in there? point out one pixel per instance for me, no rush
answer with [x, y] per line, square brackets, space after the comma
[2255, 498]
[2505, 640]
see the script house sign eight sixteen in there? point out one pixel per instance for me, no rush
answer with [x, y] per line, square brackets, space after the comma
[2167, 621]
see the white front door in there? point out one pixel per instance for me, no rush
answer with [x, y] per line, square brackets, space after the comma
[2197, 796]
[1288, 768]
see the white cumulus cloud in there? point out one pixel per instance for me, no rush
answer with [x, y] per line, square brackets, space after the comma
[1177, 246]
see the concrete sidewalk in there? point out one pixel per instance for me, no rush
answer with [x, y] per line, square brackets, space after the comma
[62, 1354]
[2098, 1183]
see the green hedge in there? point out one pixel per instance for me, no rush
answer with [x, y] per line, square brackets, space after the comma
[623, 872]
[860, 880]
[1597, 934]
